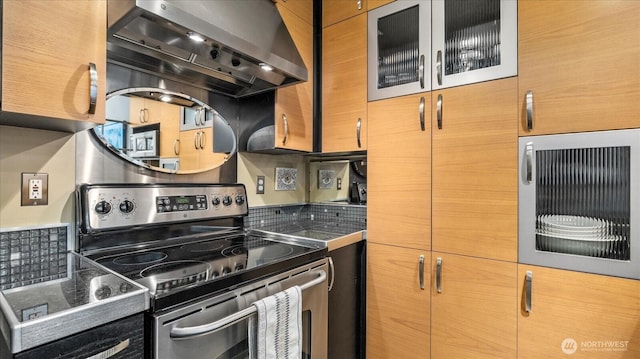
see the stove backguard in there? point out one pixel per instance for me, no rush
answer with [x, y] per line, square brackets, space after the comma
[579, 202]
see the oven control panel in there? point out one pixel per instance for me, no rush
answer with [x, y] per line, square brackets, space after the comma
[105, 207]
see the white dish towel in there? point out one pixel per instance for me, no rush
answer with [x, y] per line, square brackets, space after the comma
[276, 332]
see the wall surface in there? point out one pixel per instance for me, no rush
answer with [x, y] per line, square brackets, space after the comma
[340, 170]
[251, 165]
[36, 151]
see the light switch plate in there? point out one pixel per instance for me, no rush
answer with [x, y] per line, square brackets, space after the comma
[34, 189]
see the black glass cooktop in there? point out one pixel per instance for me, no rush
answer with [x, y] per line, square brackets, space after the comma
[187, 270]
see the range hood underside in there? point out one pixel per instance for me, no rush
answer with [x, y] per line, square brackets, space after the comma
[153, 36]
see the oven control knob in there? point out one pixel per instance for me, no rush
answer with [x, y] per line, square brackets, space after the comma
[239, 200]
[103, 292]
[103, 207]
[126, 206]
[215, 201]
[226, 200]
[226, 270]
[125, 287]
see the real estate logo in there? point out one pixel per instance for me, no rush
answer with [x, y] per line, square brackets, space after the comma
[569, 346]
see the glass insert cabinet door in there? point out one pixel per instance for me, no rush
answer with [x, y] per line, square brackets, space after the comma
[473, 41]
[399, 44]
[579, 202]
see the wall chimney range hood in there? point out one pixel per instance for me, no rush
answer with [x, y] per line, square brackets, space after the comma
[234, 47]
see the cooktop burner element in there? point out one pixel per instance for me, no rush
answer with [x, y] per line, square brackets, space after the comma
[140, 258]
[269, 253]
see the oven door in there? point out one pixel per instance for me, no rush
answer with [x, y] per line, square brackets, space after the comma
[216, 328]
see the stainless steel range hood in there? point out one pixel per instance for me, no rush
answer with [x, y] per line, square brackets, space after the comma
[239, 41]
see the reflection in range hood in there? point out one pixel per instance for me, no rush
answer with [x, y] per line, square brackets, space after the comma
[240, 36]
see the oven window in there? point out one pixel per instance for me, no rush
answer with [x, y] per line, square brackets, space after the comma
[583, 201]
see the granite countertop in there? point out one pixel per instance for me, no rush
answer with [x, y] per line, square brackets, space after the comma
[88, 295]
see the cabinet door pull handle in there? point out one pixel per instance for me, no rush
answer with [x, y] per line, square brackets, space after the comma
[286, 129]
[197, 118]
[439, 67]
[203, 140]
[358, 129]
[421, 110]
[112, 351]
[332, 268]
[176, 146]
[529, 101]
[421, 272]
[527, 291]
[196, 139]
[439, 111]
[421, 71]
[439, 275]
[93, 88]
[141, 115]
[529, 154]
[359, 4]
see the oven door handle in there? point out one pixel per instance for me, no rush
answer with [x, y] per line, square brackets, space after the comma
[199, 330]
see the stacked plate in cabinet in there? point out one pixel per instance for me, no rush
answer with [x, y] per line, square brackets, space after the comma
[578, 235]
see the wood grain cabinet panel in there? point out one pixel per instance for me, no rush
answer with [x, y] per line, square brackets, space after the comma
[334, 11]
[372, 4]
[47, 48]
[399, 172]
[294, 104]
[397, 308]
[344, 85]
[581, 60]
[578, 315]
[473, 315]
[475, 188]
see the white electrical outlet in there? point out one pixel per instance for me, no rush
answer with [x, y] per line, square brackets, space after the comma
[35, 189]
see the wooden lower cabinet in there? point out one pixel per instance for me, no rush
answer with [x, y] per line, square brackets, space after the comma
[397, 308]
[474, 314]
[578, 315]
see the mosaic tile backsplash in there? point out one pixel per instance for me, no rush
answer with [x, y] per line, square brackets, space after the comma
[33, 255]
[335, 218]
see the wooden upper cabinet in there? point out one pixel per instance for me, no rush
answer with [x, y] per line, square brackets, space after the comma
[47, 49]
[475, 187]
[399, 168]
[577, 315]
[334, 11]
[397, 308]
[294, 104]
[372, 4]
[581, 62]
[169, 120]
[344, 85]
[473, 308]
[196, 151]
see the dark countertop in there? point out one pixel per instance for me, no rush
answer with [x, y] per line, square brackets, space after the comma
[87, 296]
